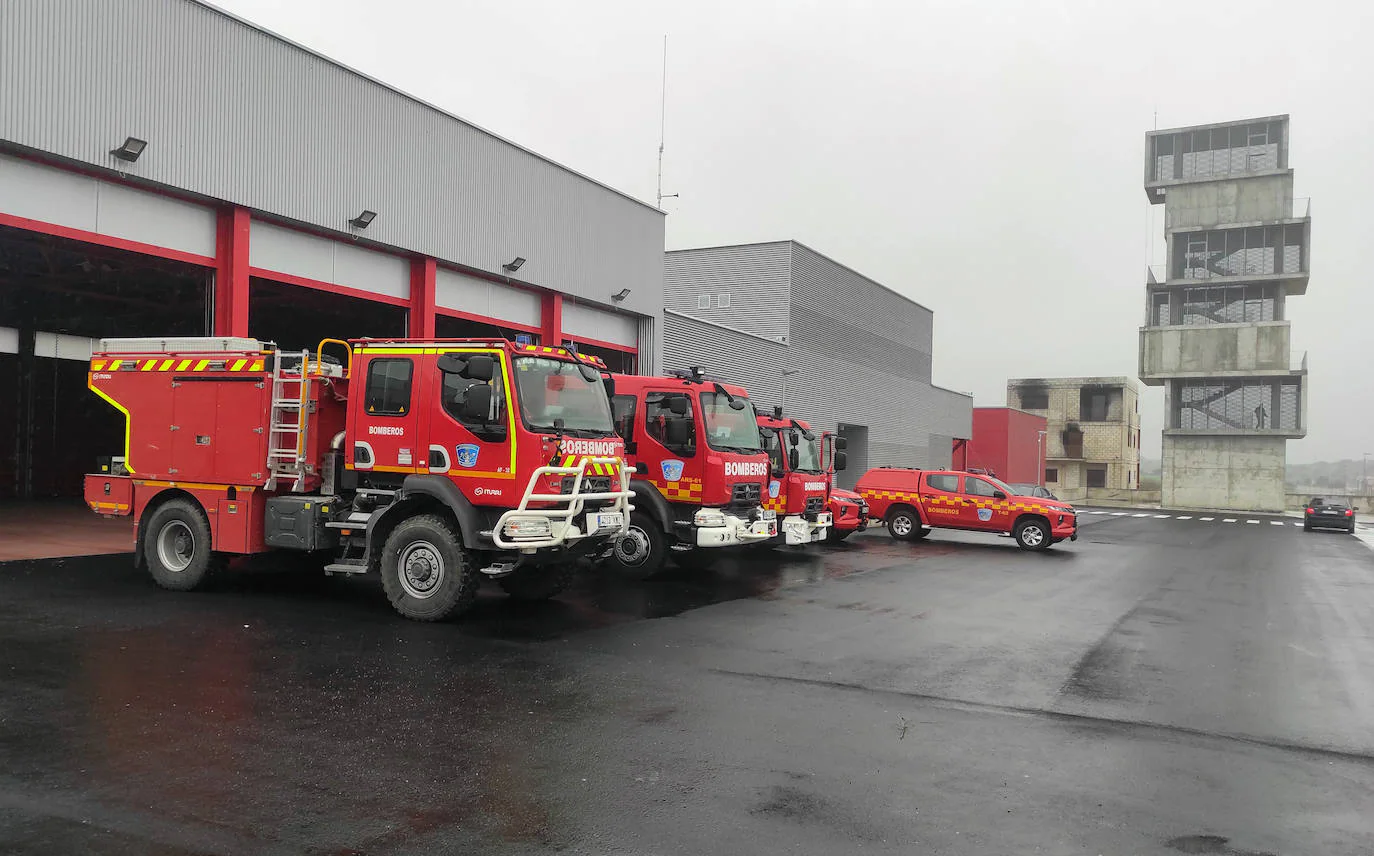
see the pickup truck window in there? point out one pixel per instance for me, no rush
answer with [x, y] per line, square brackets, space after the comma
[946, 484]
[978, 487]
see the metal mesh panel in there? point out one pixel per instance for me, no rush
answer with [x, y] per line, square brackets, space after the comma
[1267, 405]
[1236, 304]
[1253, 251]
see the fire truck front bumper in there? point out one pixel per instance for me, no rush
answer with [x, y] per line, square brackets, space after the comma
[715, 527]
[797, 529]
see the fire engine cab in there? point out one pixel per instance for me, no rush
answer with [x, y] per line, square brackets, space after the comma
[436, 463]
[803, 467]
[699, 469]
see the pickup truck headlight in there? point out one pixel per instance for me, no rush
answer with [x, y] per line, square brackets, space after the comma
[709, 517]
[528, 529]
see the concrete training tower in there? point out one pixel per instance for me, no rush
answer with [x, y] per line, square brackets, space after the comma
[1215, 336]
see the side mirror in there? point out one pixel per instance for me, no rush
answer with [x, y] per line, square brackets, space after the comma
[792, 438]
[997, 494]
[677, 432]
[608, 381]
[841, 461]
[677, 405]
[736, 404]
[793, 458]
[479, 367]
[477, 403]
[589, 374]
[841, 443]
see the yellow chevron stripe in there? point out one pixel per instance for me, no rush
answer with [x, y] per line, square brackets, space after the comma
[238, 364]
[166, 364]
[148, 365]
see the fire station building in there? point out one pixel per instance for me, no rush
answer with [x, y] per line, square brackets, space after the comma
[167, 169]
[830, 345]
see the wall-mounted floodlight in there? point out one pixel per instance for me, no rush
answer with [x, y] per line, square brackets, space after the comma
[620, 295]
[513, 265]
[130, 150]
[363, 220]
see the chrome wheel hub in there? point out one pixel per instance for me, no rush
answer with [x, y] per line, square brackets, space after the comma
[422, 569]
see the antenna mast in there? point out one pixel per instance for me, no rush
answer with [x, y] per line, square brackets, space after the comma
[662, 123]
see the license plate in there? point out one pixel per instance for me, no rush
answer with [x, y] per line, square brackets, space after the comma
[604, 521]
[768, 514]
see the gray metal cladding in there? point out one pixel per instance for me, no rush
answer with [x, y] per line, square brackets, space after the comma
[837, 356]
[233, 113]
[755, 276]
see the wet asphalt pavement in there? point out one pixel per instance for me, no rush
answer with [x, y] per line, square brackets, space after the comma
[1158, 687]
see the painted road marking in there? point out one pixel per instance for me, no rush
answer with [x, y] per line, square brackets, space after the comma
[1229, 520]
[1256, 522]
[1188, 517]
[1275, 522]
[1297, 524]
[1161, 517]
[1207, 519]
[1140, 515]
[1118, 514]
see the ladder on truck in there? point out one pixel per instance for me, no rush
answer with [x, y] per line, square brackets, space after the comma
[290, 418]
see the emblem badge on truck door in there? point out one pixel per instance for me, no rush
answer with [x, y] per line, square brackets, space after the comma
[672, 469]
[467, 454]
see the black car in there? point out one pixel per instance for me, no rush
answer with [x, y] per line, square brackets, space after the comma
[1038, 491]
[1332, 513]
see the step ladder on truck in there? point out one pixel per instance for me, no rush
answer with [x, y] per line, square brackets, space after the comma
[437, 464]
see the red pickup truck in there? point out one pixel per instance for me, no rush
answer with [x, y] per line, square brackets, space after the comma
[912, 502]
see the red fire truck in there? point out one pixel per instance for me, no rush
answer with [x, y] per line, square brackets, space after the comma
[912, 502]
[436, 463]
[803, 464]
[699, 469]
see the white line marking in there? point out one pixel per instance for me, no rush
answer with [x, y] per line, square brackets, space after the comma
[1229, 520]
[1161, 517]
[1275, 522]
[1207, 519]
[1255, 522]
[1117, 513]
[1297, 524]
[1185, 517]
[1140, 515]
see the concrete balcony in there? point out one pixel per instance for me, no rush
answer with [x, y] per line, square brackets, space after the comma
[1214, 351]
[1273, 405]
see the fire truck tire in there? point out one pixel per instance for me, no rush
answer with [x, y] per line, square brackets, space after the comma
[1032, 533]
[644, 549]
[539, 583]
[904, 524]
[177, 546]
[427, 574]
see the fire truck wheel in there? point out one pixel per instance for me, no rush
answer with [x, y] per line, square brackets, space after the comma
[643, 550]
[1032, 533]
[539, 583]
[177, 546]
[427, 574]
[904, 524]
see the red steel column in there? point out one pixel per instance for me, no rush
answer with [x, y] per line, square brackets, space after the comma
[422, 275]
[551, 332]
[231, 272]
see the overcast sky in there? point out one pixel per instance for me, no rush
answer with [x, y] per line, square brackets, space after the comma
[985, 159]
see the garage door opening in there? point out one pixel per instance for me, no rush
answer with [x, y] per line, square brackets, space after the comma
[856, 437]
[57, 298]
[297, 318]
[449, 327]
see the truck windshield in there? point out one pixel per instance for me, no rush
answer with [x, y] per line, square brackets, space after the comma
[556, 389]
[730, 430]
[808, 454]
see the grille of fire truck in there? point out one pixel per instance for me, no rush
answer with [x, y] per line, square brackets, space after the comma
[290, 420]
[815, 504]
[590, 484]
[746, 493]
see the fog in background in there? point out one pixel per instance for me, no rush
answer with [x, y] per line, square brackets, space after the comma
[984, 159]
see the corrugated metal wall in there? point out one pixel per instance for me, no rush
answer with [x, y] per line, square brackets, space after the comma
[861, 353]
[755, 278]
[236, 114]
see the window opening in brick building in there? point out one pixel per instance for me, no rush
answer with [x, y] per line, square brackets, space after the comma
[1097, 475]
